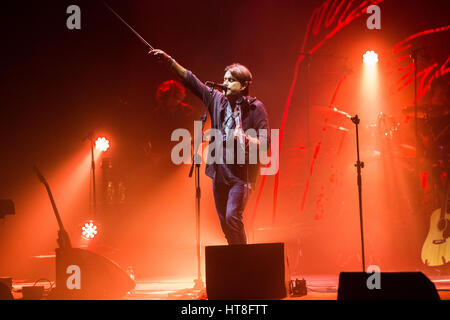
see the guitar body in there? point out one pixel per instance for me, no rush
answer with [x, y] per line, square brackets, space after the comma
[436, 249]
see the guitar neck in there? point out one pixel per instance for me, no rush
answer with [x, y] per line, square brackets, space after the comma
[445, 200]
[55, 210]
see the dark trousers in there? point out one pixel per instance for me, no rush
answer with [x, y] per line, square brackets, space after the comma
[230, 204]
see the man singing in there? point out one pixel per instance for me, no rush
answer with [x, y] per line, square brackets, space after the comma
[232, 112]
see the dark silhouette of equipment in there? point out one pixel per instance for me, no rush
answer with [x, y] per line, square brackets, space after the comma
[81, 274]
[5, 292]
[99, 277]
[32, 292]
[297, 288]
[393, 286]
[254, 271]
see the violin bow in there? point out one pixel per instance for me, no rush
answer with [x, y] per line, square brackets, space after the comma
[134, 31]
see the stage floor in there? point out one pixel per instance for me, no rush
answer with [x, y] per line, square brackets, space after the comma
[320, 287]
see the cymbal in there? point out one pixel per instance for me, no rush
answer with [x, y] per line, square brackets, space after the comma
[337, 127]
[422, 111]
[333, 110]
[323, 108]
[419, 108]
[437, 112]
[407, 151]
[428, 111]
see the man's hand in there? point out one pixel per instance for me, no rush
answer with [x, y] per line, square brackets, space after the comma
[161, 55]
[242, 137]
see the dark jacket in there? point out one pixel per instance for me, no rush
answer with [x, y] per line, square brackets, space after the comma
[254, 115]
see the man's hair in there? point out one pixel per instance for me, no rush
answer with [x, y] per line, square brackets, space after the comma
[242, 74]
[170, 88]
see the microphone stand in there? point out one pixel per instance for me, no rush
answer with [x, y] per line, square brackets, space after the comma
[94, 196]
[359, 165]
[92, 189]
[198, 283]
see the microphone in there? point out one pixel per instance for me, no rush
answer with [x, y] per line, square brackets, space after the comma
[89, 136]
[416, 53]
[216, 85]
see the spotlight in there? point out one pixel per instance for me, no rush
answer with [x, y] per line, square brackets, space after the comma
[370, 58]
[89, 230]
[102, 144]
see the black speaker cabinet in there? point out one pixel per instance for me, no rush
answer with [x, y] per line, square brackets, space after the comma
[81, 274]
[5, 292]
[252, 271]
[393, 286]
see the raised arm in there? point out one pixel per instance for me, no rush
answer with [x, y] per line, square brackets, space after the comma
[189, 80]
[174, 66]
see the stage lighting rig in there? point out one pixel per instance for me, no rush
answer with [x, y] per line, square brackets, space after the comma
[102, 144]
[370, 58]
[89, 230]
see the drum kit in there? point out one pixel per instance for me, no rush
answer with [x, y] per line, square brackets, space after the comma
[394, 137]
[433, 133]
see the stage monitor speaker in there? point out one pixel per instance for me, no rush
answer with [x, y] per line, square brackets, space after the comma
[252, 271]
[5, 292]
[392, 286]
[81, 274]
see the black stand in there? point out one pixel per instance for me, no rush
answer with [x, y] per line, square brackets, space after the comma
[359, 165]
[94, 196]
[92, 190]
[196, 162]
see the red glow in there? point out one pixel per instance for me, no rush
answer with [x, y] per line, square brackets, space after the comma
[424, 180]
[429, 72]
[330, 9]
[316, 153]
[435, 30]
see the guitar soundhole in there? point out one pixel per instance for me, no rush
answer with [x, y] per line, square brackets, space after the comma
[442, 224]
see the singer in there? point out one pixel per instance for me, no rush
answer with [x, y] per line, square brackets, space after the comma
[232, 112]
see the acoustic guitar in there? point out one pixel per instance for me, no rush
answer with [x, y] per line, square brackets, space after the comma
[436, 249]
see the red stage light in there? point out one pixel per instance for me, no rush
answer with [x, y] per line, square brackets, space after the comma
[370, 58]
[89, 230]
[102, 144]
